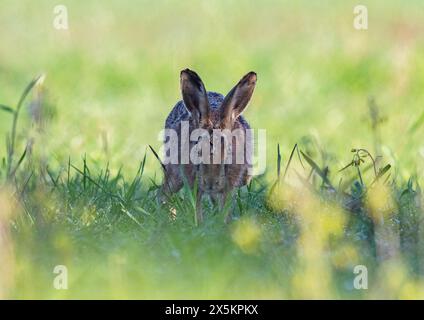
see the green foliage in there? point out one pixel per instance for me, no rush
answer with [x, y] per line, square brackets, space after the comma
[99, 215]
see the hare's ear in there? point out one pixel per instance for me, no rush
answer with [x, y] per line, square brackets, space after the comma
[195, 96]
[237, 99]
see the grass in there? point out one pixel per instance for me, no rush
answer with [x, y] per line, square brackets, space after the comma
[78, 183]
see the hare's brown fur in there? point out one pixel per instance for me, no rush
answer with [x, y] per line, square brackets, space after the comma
[209, 111]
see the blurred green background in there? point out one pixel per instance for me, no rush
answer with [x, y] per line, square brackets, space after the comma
[114, 74]
[111, 80]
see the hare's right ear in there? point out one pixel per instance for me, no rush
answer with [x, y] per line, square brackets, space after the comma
[237, 99]
[195, 96]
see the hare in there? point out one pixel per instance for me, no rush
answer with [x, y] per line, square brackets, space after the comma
[217, 175]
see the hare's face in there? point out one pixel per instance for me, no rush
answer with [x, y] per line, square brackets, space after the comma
[211, 171]
[211, 178]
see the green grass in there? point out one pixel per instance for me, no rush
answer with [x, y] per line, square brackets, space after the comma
[84, 193]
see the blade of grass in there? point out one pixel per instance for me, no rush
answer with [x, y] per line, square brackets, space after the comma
[317, 169]
[278, 161]
[19, 161]
[136, 180]
[7, 109]
[381, 173]
[157, 157]
[15, 121]
[96, 184]
[288, 163]
[347, 166]
[416, 124]
[124, 210]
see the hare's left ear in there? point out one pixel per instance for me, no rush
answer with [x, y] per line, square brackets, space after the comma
[195, 96]
[237, 99]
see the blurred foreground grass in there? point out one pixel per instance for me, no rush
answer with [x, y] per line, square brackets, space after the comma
[110, 81]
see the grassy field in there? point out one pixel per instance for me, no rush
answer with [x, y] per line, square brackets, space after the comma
[84, 194]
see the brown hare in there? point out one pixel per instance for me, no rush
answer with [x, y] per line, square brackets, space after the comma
[220, 171]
